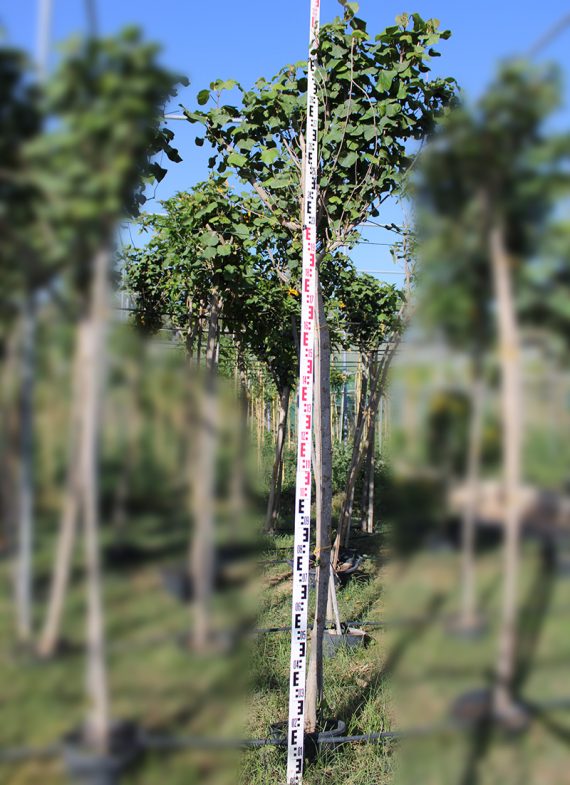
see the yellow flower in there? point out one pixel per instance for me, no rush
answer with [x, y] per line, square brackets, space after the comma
[294, 292]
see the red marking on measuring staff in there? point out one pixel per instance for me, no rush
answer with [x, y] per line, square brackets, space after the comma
[297, 674]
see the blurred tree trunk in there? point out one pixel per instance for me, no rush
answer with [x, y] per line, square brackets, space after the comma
[468, 529]
[238, 480]
[203, 487]
[128, 445]
[511, 415]
[9, 441]
[323, 478]
[51, 631]
[92, 369]
[25, 505]
[273, 503]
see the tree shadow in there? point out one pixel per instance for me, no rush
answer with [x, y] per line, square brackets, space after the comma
[531, 618]
[349, 709]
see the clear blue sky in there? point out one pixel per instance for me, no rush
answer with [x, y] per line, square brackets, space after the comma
[209, 39]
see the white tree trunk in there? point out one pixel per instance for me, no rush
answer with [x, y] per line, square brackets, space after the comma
[368, 512]
[511, 415]
[97, 725]
[68, 525]
[203, 485]
[468, 530]
[25, 506]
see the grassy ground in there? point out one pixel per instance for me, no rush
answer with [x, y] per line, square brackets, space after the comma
[407, 677]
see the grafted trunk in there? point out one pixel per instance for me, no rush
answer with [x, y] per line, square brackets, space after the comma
[25, 504]
[51, 631]
[468, 531]
[97, 725]
[323, 459]
[511, 415]
[273, 503]
[203, 487]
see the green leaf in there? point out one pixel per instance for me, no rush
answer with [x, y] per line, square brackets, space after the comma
[237, 159]
[209, 238]
[203, 97]
[385, 80]
[269, 155]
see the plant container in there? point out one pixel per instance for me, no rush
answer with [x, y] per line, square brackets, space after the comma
[84, 766]
[349, 638]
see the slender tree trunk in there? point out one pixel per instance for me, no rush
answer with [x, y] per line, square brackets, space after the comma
[362, 436]
[128, 445]
[468, 593]
[276, 479]
[238, 483]
[323, 444]
[344, 398]
[511, 414]
[368, 508]
[97, 725]
[9, 443]
[68, 525]
[202, 550]
[24, 570]
[346, 510]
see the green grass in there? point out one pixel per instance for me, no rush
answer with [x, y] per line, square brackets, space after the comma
[406, 677]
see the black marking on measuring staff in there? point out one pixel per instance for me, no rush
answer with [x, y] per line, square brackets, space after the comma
[299, 611]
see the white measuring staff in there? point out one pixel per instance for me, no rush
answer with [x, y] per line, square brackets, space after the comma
[297, 675]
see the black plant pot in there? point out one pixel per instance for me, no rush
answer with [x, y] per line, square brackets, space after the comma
[86, 767]
[177, 582]
[350, 638]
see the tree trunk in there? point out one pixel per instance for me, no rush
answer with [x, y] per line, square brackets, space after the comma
[97, 725]
[468, 593]
[238, 480]
[511, 405]
[25, 506]
[68, 526]
[362, 436]
[369, 466]
[323, 445]
[277, 475]
[203, 487]
[346, 510]
[9, 443]
[344, 397]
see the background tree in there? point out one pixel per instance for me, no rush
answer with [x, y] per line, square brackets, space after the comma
[500, 171]
[24, 272]
[106, 100]
[456, 298]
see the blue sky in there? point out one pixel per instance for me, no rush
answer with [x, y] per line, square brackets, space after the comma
[244, 40]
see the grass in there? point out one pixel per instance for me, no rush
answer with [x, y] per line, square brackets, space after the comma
[407, 677]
